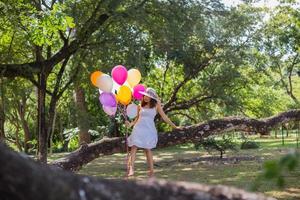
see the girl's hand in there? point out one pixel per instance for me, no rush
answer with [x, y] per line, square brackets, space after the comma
[178, 127]
[158, 101]
[128, 124]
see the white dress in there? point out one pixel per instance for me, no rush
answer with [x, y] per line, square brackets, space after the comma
[144, 133]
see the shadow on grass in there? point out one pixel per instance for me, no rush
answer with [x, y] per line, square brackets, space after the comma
[240, 174]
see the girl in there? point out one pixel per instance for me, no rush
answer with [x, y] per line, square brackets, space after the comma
[144, 133]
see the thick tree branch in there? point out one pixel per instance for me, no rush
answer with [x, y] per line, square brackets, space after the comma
[175, 91]
[108, 146]
[63, 38]
[59, 76]
[27, 69]
[186, 115]
[187, 78]
[288, 86]
[71, 80]
[46, 5]
[35, 83]
[162, 85]
[52, 3]
[48, 184]
[22, 70]
[290, 72]
[186, 104]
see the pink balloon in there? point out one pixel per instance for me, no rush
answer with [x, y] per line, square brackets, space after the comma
[119, 74]
[136, 91]
[109, 110]
[108, 99]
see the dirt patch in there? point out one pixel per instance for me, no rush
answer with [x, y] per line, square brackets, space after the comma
[210, 160]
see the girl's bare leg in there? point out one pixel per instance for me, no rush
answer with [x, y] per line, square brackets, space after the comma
[131, 160]
[150, 162]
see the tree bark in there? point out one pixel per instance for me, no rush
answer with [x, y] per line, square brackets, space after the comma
[52, 133]
[17, 137]
[108, 146]
[2, 121]
[2, 113]
[82, 115]
[54, 99]
[42, 128]
[51, 119]
[48, 184]
[27, 134]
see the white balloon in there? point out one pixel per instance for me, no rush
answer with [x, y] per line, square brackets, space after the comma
[116, 87]
[104, 83]
[111, 111]
[132, 110]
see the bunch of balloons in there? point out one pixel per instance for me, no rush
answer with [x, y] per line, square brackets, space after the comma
[118, 89]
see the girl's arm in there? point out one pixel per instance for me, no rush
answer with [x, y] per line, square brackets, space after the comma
[164, 116]
[130, 124]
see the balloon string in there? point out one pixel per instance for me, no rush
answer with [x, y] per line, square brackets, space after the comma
[123, 113]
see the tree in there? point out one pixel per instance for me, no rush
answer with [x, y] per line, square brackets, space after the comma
[82, 117]
[211, 143]
[65, 44]
[204, 43]
[2, 115]
[194, 133]
[48, 183]
[279, 48]
[18, 99]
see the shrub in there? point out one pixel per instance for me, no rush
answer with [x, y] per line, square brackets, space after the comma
[210, 144]
[249, 145]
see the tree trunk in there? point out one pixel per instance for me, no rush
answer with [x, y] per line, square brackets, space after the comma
[2, 113]
[52, 133]
[50, 184]
[108, 146]
[18, 143]
[2, 121]
[82, 115]
[27, 134]
[51, 120]
[42, 129]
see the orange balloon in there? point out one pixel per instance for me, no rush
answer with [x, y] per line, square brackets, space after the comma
[94, 77]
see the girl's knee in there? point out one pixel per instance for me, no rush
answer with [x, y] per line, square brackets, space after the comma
[133, 148]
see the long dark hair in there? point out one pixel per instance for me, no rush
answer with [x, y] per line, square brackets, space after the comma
[152, 103]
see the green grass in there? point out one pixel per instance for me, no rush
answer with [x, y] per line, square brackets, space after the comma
[241, 174]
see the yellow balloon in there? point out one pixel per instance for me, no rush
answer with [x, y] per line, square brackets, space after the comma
[124, 95]
[134, 77]
[116, 98]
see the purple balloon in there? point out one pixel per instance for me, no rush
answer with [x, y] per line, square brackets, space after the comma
[136, 91]
[119, 74]
[111, 111]
[108, 99]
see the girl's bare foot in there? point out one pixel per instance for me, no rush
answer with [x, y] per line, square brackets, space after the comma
[130, 172]
[151, 173]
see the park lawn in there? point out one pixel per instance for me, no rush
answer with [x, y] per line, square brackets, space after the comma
[171, 165]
